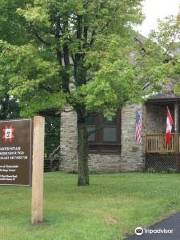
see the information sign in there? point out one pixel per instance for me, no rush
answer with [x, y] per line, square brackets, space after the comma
[16, 152]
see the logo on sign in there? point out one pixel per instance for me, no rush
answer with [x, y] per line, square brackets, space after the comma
[8, 134]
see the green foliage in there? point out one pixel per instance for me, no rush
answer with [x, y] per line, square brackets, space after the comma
[168, 38]
[13, 30]
[30, 77]
[9, 108]
[80, 43]
[12, 25]
[168, 33]
[88, 45]
[112, 74]
[52, 135]
[153, 70]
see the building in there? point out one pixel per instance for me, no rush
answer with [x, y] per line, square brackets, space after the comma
[113, 148]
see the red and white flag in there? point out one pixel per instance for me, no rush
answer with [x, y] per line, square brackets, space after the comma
[169, 124]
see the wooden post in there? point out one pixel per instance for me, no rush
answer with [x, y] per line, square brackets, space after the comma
[37, 170]
[176, 118]
[176, 129]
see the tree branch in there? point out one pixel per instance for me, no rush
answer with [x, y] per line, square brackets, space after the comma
[34, 32]
[141, 45]
[41, 39]
[92, 38]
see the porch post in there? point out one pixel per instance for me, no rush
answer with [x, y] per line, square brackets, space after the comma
[176, 129]
[176, 117]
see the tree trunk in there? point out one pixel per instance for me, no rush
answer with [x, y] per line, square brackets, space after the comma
[83, 172]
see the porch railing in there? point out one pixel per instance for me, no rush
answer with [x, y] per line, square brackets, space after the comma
[155, 143]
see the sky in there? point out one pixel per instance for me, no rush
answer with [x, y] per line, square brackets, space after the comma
[154, 9]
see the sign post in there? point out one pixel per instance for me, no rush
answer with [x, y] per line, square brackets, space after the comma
[22, 158]
[38, 169]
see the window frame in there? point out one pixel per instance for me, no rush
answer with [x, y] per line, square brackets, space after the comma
[98, 145]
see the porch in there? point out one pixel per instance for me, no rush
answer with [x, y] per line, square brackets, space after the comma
[155, 143]
[160, 156]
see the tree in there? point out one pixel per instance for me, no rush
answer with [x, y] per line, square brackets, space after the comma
[160, 59]
[12, 30]
[167, 38]
[79, 55]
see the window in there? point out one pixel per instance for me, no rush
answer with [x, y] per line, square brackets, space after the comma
[104, 135]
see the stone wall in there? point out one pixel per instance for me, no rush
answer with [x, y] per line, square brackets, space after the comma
[68, 141]
[130, 159]
[155, 117]
[105, 162]
[132, 156]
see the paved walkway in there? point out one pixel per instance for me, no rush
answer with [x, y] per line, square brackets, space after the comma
[170, 225]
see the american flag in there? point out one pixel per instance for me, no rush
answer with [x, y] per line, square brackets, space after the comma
[138, 127]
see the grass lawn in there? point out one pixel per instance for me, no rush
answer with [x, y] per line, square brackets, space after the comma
[113, 205]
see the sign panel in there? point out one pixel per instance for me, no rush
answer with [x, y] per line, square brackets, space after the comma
[15, 152]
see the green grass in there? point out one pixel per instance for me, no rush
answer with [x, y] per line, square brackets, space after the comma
[112, 206]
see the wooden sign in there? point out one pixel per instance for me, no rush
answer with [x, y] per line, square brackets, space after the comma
[22, 158]
[16, 152]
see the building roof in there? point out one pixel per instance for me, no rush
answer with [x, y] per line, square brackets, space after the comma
[163, 98]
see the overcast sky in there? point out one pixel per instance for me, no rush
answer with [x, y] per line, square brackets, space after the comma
[154, 9]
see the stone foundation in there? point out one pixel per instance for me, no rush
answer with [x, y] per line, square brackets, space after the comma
[104, 162]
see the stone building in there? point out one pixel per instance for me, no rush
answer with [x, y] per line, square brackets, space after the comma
[113, 148]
